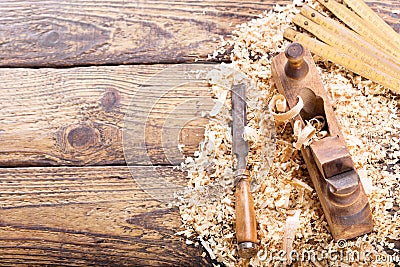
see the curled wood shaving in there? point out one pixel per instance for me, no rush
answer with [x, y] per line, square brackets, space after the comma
[304, 135]
[277, 107]
[312, 131]
[318, 122]
[278, 103]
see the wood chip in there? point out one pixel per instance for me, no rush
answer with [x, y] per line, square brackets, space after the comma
[292, 224]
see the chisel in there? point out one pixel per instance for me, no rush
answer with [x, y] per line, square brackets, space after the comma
[246, 226]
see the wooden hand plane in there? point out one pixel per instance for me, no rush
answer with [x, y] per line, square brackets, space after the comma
[328, 160]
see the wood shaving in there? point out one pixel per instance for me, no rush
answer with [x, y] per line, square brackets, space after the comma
[207, 248]
[277, 102]
[302, 184]
[369, 116]
[304, 135]
[292, 224]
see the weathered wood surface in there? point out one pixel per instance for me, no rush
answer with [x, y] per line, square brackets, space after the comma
[98, 215]
[76, 116]
[88, 216]
[66, 33]
[37, 33]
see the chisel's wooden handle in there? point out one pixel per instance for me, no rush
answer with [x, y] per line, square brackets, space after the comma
[246, 225]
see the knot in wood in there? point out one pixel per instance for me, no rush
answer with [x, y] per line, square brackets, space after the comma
[82, 136]
[51, 38]
[110, 100]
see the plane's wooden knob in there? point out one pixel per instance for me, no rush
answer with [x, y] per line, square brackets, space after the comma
[295, 68]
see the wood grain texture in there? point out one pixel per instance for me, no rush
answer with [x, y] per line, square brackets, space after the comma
[82, 216]
[76, 116]
[88, 216]
[60, 33]
[66, 33]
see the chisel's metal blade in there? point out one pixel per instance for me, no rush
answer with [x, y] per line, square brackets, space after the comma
[239, 117]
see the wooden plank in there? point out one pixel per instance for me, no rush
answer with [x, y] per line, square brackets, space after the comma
[66, 33]
[76, 116]
[89, 216]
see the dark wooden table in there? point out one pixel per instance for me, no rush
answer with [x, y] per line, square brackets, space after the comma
[69, 71]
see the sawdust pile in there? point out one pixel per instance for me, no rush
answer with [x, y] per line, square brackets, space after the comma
[288, 212]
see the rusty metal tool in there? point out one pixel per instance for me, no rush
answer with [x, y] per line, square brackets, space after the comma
[328, 160]
[246, 225]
